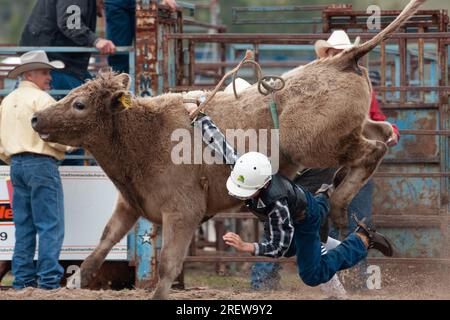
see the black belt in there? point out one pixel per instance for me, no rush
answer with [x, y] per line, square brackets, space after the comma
[36, 155]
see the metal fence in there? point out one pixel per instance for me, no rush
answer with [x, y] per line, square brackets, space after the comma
[411, 198]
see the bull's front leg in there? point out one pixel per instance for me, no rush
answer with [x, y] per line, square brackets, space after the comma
[362, 163]
[122, 220]
[178, 228]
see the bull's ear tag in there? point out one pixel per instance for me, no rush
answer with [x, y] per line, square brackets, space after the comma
[125, 100]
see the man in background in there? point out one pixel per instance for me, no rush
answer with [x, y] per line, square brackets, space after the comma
[66, 23]
[38, 203]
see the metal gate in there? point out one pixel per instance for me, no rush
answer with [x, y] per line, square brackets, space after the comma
[411, 199]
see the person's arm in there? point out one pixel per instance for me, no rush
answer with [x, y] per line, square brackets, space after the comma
[81, 34]
[214, 139]
[279, 234]
[377, 115]
[171, 3]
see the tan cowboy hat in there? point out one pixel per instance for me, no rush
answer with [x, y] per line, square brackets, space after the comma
[34, 60]
[338, 40]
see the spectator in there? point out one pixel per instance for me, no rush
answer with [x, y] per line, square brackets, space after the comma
[120, 27]
[55, 23]
[37, 190]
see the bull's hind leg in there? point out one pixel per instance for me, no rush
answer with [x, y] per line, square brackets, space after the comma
[362, 159]
[122, 220]
[177, 232]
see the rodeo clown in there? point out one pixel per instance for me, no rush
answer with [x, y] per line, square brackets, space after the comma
[292, 216]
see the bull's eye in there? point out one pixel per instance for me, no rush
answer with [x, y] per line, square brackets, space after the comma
[79, 105]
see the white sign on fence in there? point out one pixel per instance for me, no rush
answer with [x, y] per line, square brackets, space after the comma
[89, 199]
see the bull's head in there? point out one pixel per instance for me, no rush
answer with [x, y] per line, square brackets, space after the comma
[86, 114]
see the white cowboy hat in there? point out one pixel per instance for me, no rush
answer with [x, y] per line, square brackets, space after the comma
[338, 40]
[34, 60]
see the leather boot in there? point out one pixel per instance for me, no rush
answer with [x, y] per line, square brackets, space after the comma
[376, 239]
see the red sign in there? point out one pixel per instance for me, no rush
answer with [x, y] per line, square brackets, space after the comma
[6, 213]
[10, 189]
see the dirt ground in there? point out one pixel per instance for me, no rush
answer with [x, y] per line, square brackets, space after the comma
[402, 282]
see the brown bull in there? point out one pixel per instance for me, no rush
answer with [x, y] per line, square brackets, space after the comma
[323, 109]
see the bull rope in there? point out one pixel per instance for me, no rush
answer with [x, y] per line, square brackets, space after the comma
[266, 85]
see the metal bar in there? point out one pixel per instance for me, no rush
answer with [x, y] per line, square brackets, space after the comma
[220, 257]
[223, 58]
[418, 160]
[190, 22]
[426, 132]
[409, 105]
[197, 87]
[401, 218]
[191, 47]
[278, 22]
[9, 50]
[265, 63]
[413, 175]
[384, 13]
[421, 66]
[277, 37]
[412, 88]
[132, 70]
[165, 64]
[280, 8]
[402, 51]
[383, 69]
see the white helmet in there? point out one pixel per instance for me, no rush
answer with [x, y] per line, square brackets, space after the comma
[250, 173]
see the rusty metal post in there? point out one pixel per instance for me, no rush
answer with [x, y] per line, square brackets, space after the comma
[220, 245]
[403, 80]
[146, 48]
[421, 44]
[191, 48]
[383, 68]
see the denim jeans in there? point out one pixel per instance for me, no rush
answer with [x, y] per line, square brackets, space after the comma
[361, 206]
[120, 26]
[314, 267]
[38, 210]
[65, 81]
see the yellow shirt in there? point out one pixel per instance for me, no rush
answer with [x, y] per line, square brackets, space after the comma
[16, 133]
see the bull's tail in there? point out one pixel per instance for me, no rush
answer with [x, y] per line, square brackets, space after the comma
[356, 53]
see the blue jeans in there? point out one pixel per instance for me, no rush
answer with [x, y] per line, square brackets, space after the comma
[38, 207]
[120, 26]
[314, 267]
[65, 81]
[361, 206]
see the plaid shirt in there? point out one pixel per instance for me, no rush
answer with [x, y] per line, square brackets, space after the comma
[214, 139]
[279, 231]
[279, 227]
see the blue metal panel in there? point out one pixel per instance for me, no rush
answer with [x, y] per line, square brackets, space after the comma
[420, 147]
[413, 195]
[413, 242]
[144, 250]
[397, 75]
